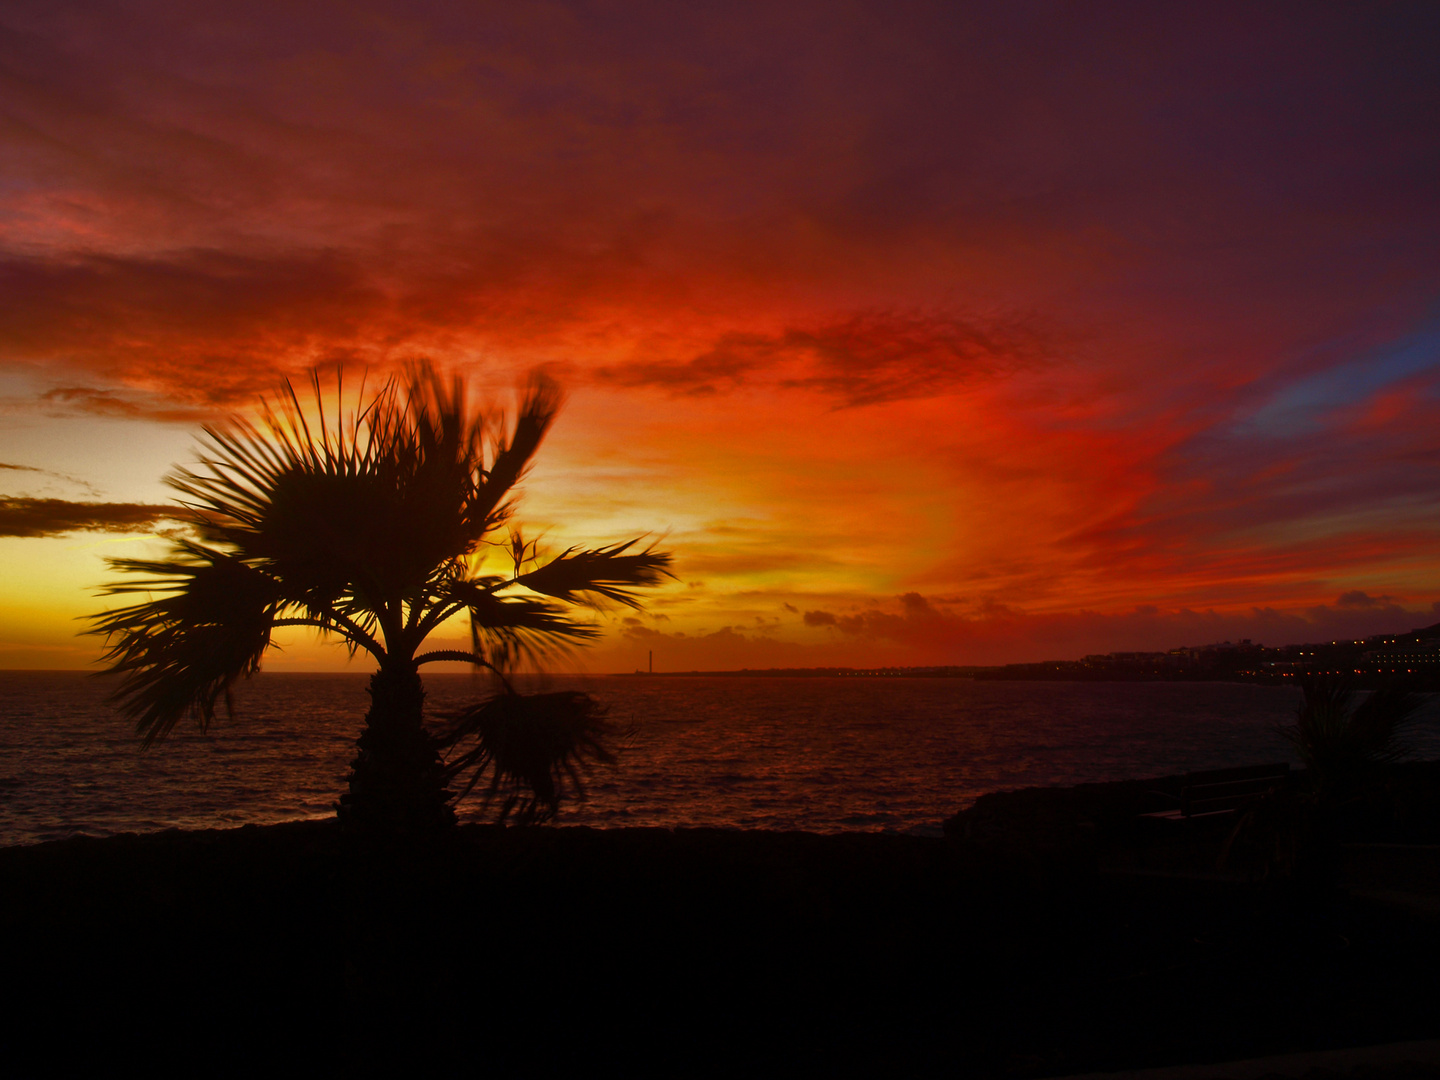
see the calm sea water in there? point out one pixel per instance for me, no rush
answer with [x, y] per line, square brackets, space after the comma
[819, 754]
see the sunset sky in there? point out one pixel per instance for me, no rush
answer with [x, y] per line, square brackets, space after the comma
[920, 333]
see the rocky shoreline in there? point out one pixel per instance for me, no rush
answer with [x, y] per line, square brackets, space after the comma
[1027, 949]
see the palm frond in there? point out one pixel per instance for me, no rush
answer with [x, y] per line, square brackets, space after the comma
[1339, 743]
[180, 652]
[538, 410]
[605, 572]
[531, 749]
[512, 630]
[368, 504]
[1382, 722]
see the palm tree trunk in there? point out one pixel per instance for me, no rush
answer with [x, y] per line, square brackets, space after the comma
[397, 783]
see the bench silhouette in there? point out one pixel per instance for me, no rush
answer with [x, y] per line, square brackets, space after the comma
[1220, 791]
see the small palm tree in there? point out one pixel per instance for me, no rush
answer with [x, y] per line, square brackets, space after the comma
[364, 527]
[1344, 744]
[1345, 748]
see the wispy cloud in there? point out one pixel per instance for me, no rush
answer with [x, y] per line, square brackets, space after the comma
[733, 360]
[122, 404]
[48, 474]
[864, 359]
[202, 327]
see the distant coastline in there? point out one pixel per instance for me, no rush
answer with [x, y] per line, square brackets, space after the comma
[1412, 656]
[950, 672]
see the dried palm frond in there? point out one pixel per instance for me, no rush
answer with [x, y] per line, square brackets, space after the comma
[531, 747]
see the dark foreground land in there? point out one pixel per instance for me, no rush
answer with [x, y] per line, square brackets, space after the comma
[1057, 939]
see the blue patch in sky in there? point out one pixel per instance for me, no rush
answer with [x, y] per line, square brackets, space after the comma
[1300, 408]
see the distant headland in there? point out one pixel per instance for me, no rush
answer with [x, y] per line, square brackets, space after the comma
[1414, 656]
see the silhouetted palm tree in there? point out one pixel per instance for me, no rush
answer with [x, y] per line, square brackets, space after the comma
[1343, 744]
[363, 527]
[1345, 748]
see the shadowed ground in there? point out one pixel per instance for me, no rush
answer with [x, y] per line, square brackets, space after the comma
[551, 951]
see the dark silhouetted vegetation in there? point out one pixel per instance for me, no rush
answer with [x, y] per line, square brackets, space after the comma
[1348, 749]
[366, 526]
[1342, 743]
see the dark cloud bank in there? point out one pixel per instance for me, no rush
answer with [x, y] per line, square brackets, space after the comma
[52, 517]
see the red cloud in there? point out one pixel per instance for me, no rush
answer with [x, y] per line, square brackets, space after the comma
[862, 359]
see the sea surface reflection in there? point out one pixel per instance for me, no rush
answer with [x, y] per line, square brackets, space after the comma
[821, 754]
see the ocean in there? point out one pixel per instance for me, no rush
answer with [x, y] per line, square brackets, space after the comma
[818, 754]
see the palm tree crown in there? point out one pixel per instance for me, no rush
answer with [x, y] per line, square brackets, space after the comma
[363, 526]
[1343, 744]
